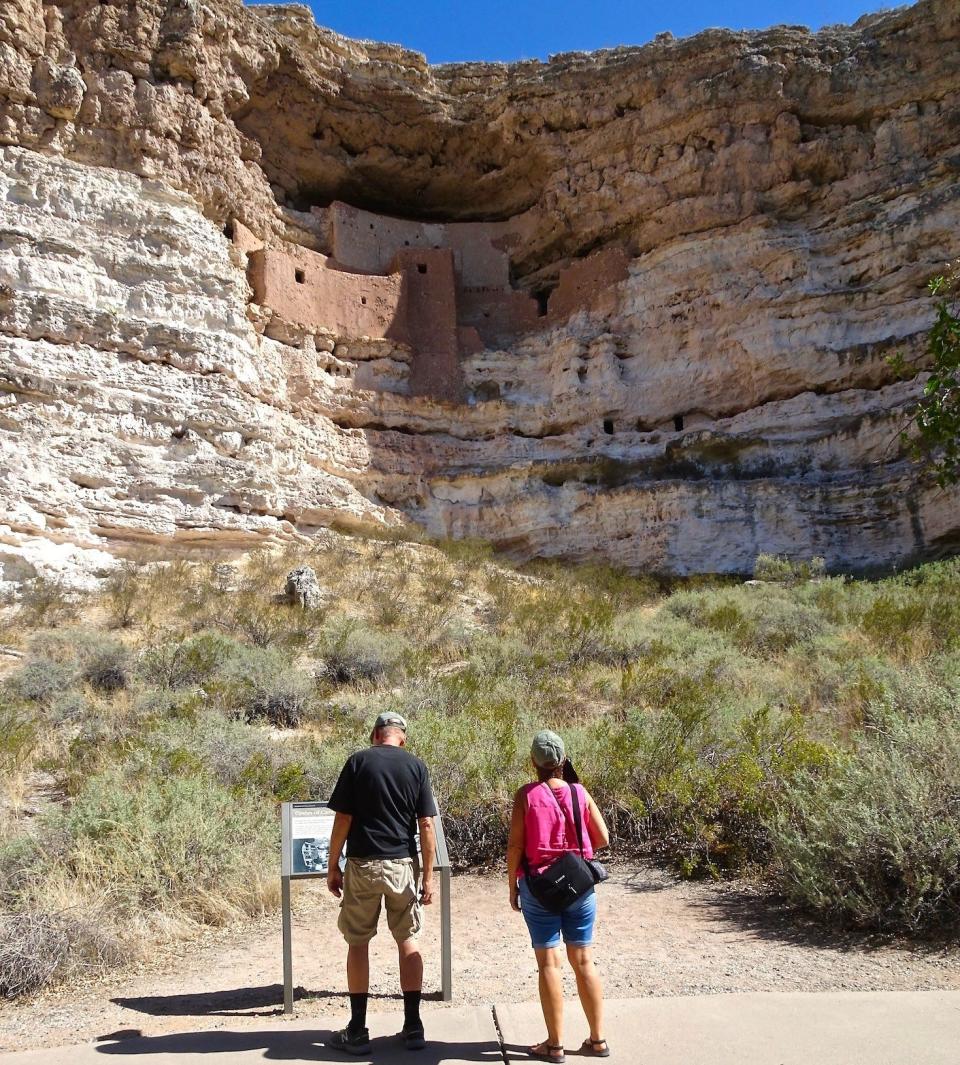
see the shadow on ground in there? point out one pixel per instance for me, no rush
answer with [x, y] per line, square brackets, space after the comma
[293, 1046]
[266, 1001]
[770, 918]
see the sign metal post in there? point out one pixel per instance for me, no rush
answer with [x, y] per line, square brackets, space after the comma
[305, 835]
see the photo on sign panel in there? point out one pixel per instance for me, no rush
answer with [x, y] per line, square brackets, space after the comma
[310, 831]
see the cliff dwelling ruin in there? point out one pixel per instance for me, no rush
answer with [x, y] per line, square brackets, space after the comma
[442, 289]
[258, 280]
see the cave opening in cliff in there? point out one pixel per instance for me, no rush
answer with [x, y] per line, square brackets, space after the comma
[542, 296]
[608, 426]
[678, 423]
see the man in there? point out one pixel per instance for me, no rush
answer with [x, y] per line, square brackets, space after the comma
[382, 795]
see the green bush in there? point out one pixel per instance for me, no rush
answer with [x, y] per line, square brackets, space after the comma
[262, 684]
[351, 653]
[875, 841]
[48, 601]
[18, 735]
[42, 680]
[779, 568]
[181, 843]
[193, 661]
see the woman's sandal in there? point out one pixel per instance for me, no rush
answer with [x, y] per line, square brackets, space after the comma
[546, 1052]
[589, 1048]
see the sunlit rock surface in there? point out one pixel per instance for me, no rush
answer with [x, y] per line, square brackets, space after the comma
[782, 198]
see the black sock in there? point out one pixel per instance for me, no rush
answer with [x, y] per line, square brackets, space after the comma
[411, 1010]
[358, 1013]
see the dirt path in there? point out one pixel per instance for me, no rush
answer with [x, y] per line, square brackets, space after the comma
[656, 936]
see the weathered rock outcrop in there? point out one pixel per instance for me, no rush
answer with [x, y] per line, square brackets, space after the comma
[780, 197]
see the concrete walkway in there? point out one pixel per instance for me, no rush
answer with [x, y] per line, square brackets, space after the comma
[847, 1028]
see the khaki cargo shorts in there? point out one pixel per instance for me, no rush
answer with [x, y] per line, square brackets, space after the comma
[367, 881]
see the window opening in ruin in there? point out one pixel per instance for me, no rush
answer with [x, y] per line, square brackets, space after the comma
[300, 275]
[542, 296]
[608, 426]
[678, 423]
[363, 300]
[582, 373]
[422, 267]
[228, 230]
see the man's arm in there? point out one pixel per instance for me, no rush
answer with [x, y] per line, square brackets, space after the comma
[338, 837]
[428, 854]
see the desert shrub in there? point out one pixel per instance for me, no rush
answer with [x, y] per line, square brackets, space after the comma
[692, 785]
[191, 661]
[18, 735]
[68, 655]
[476, 758]
[42, 680]
[108, 669]
[39, 947]
[122, 593]
[262, 684]
[252, 616]
[760, 621]
[352, 653]
[470, 553]
[891, 621]
[875, 842]
[181, 843]
[785, 570]
[48, 601]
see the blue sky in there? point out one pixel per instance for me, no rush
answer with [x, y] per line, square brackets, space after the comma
[449, 31]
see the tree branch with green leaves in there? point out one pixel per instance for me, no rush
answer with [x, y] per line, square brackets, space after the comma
[933, 435]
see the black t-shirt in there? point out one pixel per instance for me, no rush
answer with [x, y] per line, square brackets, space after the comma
[385, 789]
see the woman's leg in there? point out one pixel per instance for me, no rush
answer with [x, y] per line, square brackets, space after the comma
[551, 992]
[589, 988]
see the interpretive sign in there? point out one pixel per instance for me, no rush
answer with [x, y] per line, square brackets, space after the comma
[306, 828]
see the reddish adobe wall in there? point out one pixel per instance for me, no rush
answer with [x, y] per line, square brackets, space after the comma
[497, 314]
[301, 286]
[443, 300]
[430, 294]
[584, 280]
[364, 241]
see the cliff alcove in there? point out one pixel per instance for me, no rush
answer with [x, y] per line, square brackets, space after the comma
[643, 314]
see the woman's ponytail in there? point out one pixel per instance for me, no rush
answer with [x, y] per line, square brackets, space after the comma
[569, 773]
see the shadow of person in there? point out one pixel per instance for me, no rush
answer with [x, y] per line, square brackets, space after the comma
[298, 1045]
[239, 1001]
[265, 1001]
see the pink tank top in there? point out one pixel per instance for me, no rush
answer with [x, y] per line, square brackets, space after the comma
[548, 830]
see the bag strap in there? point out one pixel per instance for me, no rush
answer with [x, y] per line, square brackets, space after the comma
[578, 825]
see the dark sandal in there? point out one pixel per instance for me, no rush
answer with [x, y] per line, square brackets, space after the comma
[589, 1048]
[545, 1052]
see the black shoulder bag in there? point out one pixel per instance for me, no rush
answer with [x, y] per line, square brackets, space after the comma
[571, 875]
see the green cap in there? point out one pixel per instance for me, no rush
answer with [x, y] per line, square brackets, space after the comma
[389, 720]
[547, 749]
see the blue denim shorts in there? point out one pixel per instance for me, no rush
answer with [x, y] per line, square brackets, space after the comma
[575, 922]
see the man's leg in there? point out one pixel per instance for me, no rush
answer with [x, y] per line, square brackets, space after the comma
[359, 911]
[411, 966]
[404, 916]
[358, 984]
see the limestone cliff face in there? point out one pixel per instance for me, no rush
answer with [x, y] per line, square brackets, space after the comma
[780, 198]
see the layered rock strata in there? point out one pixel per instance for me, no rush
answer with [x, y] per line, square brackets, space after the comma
[777, 201]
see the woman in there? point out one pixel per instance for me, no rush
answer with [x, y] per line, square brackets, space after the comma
[541, 829]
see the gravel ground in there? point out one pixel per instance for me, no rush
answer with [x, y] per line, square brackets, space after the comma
[655, 936]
